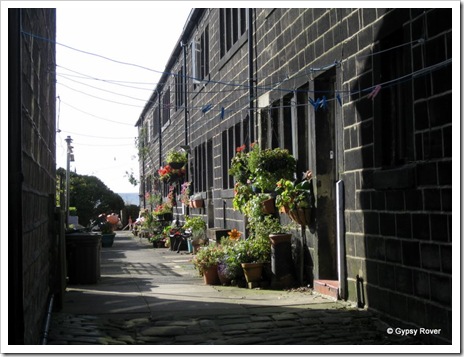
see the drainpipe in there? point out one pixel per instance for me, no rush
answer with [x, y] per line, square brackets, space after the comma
[186, 143]
[15, 181]
[341, 258]
[250, 76]
[159, 130]
[47, 320]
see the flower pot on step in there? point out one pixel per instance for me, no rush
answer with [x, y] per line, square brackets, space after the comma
[252, 271]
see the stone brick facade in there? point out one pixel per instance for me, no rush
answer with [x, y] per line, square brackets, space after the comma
[31, 170]
[359, 96]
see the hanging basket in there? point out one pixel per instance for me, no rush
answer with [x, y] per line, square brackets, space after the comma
[176, 165]
[302, 216]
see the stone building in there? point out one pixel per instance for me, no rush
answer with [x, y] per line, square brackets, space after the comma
[362, 98]
[32, 254]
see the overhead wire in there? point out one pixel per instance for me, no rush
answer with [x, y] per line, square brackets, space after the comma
[236, 85]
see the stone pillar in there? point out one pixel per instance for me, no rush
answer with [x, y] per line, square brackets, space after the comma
[283, 272]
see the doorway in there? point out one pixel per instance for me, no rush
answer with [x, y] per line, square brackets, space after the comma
[325, 175]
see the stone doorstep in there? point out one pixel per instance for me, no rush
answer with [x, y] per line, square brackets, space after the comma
[327, 287]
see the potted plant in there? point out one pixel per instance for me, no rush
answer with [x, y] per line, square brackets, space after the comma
[108, 234]
[197, 226]
[158, 240]
[296, 199]
[176, 159]
[169, 174]
[260, 204]
[206, 262]
[242, 195]
[267, 166]
[229, 267]
[163, 212]
[239, 165]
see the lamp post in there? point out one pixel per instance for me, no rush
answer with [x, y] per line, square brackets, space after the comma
[69, 158]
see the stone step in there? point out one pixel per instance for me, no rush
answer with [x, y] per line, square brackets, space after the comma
[327, 287]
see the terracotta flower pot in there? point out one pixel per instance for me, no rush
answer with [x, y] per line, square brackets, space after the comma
[211, 276]
[252, 271]
[196, 203]
[269, 206]
[277, 238]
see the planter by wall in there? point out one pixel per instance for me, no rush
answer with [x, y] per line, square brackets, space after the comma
[108, 239]
[252, 271]
[211, 276]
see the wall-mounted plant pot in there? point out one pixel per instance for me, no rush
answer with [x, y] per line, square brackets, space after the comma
[268, 206]
[302, 216]
[197, 203]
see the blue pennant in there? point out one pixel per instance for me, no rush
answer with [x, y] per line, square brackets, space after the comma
[206, 108]
[222, 112]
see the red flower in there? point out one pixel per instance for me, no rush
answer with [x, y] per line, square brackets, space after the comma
[240, 148]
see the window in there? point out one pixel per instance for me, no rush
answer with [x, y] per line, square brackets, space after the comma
[166, 107]
[203, 161]
[284, 124]
[200, 57]
[179, 90]
[155, 122]
[149, 128]
[392, 105]
[231, 139]
[233, 25]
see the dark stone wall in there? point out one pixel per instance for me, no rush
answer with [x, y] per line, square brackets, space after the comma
[397, 219]
[38, 164]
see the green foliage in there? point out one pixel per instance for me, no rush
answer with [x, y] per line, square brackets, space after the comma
[267, 166]
[176, 156]
[229, 263]
[293, 195]
[106, 228]
[91, 197]
[251, 250]
[196, 224]
[239, 166]
[131, 177]
[254, 205]
[242, 194]
[207, 256]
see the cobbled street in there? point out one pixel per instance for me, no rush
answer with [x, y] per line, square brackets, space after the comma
[149, 296]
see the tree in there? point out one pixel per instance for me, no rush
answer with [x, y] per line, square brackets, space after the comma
[91, 197]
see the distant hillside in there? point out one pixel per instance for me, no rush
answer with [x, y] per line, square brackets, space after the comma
[130, 198]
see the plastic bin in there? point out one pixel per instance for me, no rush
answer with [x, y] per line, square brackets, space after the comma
[83, 252]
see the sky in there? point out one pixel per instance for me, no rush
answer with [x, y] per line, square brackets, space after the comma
[99, 98]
